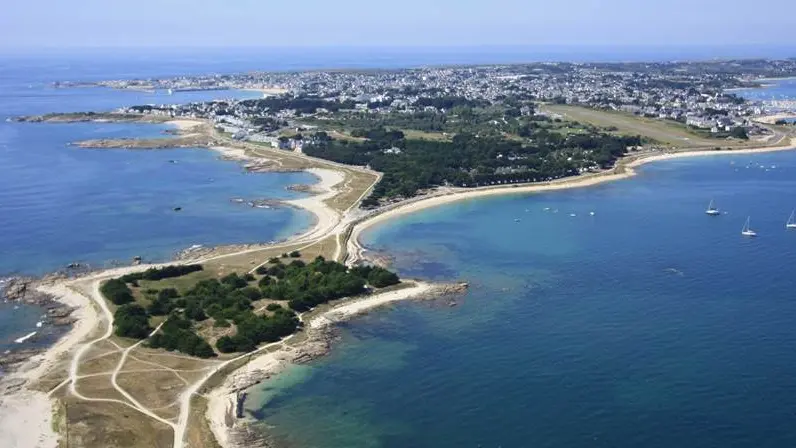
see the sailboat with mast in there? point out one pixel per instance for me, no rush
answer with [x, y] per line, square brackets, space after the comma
[791, 224]
[747, 230]
[712, 210]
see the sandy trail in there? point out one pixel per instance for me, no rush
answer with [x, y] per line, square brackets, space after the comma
[25, 415]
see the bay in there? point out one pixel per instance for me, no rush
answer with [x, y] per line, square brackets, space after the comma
[648, 324]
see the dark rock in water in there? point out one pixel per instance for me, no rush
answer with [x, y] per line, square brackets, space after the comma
[77, 266]
[61, 316]
[176, 209]
[304, 188]
[16, 288]
[136, 260]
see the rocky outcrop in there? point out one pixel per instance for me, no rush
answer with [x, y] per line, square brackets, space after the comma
[249, 436]
[304, 188]
[23, 290]
[266, 166]
[187, 141]
[9, 361]
[17, 288]
[82, 117]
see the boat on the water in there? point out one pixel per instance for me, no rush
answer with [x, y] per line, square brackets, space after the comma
[747, 230]
[791, 224]
[712, 210]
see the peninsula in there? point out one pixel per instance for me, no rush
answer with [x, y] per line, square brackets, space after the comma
[162, 353]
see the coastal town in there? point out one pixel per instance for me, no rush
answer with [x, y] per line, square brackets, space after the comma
[696, 95]
[180, 343]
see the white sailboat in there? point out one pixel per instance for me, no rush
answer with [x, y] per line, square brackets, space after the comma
[791, 224]
[747, 231]
[712, 210]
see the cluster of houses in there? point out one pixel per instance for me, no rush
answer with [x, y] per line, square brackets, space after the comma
[661, 91]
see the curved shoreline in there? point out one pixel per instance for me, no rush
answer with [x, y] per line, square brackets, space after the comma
[623, 170]
[223, 399]
[25, 405]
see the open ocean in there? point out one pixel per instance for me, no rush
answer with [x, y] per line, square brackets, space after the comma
[648, 324]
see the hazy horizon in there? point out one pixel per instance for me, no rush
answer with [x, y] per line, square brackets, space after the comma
[412, 23]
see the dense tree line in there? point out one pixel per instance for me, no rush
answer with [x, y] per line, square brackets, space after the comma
[117, 291]
[379, 133]
[449, 102]
[309, 285]
[474, 159]
[376, 276]
[155, 274]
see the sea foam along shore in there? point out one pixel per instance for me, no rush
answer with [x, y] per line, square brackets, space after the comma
[222, 401]
[623, 170]
[25, 414]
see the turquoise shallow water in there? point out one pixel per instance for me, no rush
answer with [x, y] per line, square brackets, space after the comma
[65, 204]
[648, 324]
[61, 204]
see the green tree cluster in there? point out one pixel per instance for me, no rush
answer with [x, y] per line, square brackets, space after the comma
[177, 334]
[155, 274]
[376, 276]
[131, 321]
[253, 330]
[117, 291]
[309, 285]
[472, 160]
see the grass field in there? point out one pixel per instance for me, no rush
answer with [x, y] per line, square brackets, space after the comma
[664, 132]
[413, 134]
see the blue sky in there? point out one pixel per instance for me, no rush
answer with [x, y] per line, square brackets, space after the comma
[264, 23]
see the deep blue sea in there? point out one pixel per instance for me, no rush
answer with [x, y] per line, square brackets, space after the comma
[649, 324]
[61, 204]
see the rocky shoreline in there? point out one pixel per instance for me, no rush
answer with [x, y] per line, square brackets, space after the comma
[85, 117]
[320, 333]
[24, 290]
[304, 188]
[187, 141]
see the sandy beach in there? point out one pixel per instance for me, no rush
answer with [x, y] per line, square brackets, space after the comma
[184, 125]
[623, 171]
[25, 415]
[326, 218]
[234, 153]
[26, 421]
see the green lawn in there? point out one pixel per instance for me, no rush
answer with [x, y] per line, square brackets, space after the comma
[666, 132]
